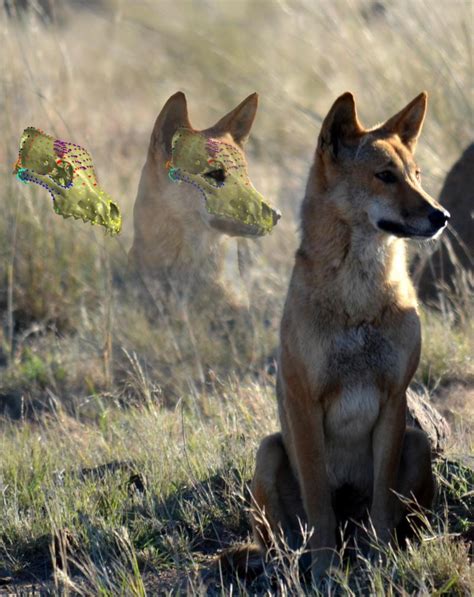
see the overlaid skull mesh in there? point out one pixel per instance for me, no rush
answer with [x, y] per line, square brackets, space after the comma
[219, 171]
[67, 172]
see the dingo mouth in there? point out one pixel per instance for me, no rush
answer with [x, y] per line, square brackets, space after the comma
[406, 231]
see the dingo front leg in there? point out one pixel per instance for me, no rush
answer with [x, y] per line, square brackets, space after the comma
[387, 441]
[307, 444]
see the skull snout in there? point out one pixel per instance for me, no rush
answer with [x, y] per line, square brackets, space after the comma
[267, 211]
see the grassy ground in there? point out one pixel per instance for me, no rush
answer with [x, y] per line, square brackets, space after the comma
[87, 379]
[157, 526]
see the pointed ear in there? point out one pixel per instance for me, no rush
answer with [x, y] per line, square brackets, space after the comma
[173, 116]
[239, 121]
[341, 125]
[408, 122]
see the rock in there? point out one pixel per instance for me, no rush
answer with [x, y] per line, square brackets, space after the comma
[452, 262]
[423, 415]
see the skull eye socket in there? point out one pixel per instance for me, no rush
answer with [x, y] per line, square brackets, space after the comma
[386, 176]
[217, 175]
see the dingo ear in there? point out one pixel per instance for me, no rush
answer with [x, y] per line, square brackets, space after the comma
[341, 125]
[173, 116]
[408, 122]
[239, 121]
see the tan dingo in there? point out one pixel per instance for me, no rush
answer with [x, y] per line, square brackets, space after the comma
[350, 342]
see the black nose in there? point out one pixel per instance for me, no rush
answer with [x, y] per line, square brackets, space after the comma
[438, 217]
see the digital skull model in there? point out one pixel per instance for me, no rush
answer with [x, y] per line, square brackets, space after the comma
[219, 171]
[67, 172]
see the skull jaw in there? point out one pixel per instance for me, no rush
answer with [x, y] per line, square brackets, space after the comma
[90, 208]
[240, 213]
[233, 227]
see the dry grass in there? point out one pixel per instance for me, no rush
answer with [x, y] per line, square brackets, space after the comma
[107, 533]
[191, 419]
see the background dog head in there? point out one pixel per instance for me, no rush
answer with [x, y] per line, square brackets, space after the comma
[212, 168]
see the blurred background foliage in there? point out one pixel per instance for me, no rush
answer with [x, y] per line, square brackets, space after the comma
[99, 72]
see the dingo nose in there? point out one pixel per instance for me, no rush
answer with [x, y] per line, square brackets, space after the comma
[439, 217]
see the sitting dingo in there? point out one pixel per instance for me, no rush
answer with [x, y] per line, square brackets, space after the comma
[350, 342]
[193, 194]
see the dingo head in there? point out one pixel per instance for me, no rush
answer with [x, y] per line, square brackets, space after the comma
[211, 167]
[371, 174]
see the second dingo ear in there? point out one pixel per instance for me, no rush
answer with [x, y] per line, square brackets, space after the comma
[408, 122]
[239, 121]
[173, 116]
[341, 125]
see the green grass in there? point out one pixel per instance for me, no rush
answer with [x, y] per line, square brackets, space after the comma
[90, 374]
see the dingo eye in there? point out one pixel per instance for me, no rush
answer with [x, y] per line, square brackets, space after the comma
[217, 175]
[418, 174]
[386, 176]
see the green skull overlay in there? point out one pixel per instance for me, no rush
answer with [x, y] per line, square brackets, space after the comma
[218, 170]
[67, 172]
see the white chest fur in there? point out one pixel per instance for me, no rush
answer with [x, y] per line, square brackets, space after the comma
[348, 426]
[353, 413]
